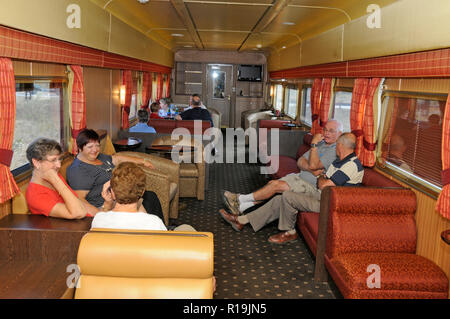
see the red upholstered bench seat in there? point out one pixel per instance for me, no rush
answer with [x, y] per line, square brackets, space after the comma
[308, 224]
[402, 275]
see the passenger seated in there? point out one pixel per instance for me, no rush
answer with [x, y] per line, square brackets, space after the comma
[90, 170]
[311, 164]
[163, 107]
[154, 108]
[142, 126]
[346, 170]
[396, 149]
[127, 187]
[48, 193]
[197, 112]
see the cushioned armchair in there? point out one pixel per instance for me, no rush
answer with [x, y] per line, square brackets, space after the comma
[366, 228]
[163, 180]
[145, 265]
[192, 175]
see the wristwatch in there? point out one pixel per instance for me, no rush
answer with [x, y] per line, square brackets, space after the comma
[314, 144]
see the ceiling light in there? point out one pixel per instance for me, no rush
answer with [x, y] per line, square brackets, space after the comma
[188, 46]
[258, 46]
[283, 47]
[288, 23]
[143, 1]
[177, 35]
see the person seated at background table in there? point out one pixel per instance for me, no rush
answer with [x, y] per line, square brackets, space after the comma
[190, 101]
[196, 112]
[90, 170]
[163, 107]
[48, 193]
[141, 126]
[154, 108]
[127, 187]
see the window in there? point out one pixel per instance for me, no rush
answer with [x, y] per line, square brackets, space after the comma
[39, 113]
[342, 106]
[134, 92]
[305, 115]
[412, 137]
[278, 97]
[291, 101]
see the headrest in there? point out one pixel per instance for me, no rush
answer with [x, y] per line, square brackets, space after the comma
[146, 254]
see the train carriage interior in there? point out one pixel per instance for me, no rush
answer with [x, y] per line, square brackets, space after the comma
[273, 75]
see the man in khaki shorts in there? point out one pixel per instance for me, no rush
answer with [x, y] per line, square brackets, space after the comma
[312, 164]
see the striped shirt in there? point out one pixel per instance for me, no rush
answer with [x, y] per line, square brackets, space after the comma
[346, 172]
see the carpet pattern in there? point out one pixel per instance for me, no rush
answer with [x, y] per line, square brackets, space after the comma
[246, 265]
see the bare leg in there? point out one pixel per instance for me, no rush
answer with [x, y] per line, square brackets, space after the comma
[270, 189]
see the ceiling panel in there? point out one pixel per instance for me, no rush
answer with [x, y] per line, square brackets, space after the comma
[158, 19]
[225, 17]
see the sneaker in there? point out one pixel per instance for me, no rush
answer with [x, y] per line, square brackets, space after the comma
[231, 201]
[282, 238]
[231, 219]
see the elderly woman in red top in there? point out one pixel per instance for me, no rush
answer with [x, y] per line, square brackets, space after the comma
[48, 193]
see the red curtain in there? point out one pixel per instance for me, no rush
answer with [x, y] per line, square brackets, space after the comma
[168, 85]
[315, 105]
[78, 105]
[357, 112]
[325, 101]
[8, 187]
[369, 141]
[443, 203]
[127, 80]
[145, 89]
[159, 90]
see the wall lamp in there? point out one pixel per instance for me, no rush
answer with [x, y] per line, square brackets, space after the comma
[122, 94]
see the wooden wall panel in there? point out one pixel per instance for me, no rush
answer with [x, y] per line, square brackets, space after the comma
[430, 224]
[23, 68]
[102, 99]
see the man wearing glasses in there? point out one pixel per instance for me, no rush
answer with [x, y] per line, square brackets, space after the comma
[312, 165]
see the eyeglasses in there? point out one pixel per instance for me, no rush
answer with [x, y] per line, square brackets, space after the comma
[329, 131]
[53, 161]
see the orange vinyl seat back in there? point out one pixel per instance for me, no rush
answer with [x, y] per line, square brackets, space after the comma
[116, 264]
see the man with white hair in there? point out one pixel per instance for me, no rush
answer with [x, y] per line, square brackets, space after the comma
[346, 170]
[311, 164]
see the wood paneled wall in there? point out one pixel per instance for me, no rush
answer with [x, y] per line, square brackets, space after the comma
[430, 224]
[102, 88]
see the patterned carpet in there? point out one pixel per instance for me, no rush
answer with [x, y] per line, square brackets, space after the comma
[246, 265]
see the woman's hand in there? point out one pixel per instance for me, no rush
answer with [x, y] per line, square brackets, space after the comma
[106, 192]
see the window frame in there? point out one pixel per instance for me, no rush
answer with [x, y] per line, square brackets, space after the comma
[408, 178]
[303, 95]
[336, 90]
[286, 101]
[22, 172]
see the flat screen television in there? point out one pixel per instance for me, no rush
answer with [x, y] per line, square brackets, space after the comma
[250, 73]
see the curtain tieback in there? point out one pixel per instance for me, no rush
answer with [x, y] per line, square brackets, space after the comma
[358, 133]
[6, 157]
[369, 146]
[126, 109]
[315, 117]
[322, 123]
[445, 176]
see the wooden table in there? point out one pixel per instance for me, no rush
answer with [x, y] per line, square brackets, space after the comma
[127, 144]
[35, 252]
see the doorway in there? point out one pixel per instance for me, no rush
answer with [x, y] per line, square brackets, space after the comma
[219, 81]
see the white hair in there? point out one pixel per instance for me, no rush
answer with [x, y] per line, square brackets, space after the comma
[339, 125]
